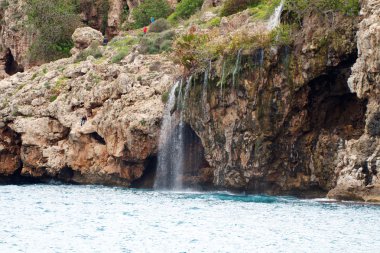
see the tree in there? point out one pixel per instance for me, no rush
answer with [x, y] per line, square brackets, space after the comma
[55, 21]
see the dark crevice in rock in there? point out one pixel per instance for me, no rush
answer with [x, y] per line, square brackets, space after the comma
[98, 138]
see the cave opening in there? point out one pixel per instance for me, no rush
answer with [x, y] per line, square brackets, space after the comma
[11, 65]
[333, 107]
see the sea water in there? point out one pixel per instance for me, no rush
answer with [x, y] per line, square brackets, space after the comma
[67, 218]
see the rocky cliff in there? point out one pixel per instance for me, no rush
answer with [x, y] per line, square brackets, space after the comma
[90, 121]
[296, 118]
[358, 161]
[277, 122]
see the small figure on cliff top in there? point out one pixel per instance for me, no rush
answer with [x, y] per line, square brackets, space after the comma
[83, 120]
[145, 30]
[151, 19]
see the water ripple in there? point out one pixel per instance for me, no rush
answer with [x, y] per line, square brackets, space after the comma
[61, 218]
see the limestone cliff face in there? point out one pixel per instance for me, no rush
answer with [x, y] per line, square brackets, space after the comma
[279, 127]
[359, 160]
[85, 122]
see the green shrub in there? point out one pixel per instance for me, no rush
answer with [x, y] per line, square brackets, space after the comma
[55, 21]
[156, 43]
[214, 22]
[53, 98]
[159, 25]
[120, 56]
[165, 97]
[185, 9]
[282, 35]
[234, 6]
[152, 8]
[190, 50]
[123, 47]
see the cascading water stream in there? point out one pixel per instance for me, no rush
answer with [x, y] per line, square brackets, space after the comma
[180, 142]
[204, 90]
[222, 81]
[164, 176]
[171, 154]
[275, 19]
[237, 68]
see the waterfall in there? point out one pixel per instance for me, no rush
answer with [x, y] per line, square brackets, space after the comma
[237, 67]
[222, 81]
[275, 19]
[179, 140]
[204, 90]
[171, 154]
[166, 153]
[259, 57]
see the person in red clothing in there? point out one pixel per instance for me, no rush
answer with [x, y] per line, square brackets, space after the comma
[145, 29]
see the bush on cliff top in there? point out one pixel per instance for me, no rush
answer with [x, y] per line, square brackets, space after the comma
[153, 8]
[234, 6]
[185, 9]
[55, 21]
[156, 43]
[159, 26]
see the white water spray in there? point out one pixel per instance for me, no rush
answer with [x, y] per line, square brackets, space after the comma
[237, 68]
[275, 19]
[171, 155]
[164, 176]
[222, 81]
[204, 90]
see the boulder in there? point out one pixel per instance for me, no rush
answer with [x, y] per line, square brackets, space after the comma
[83, 37]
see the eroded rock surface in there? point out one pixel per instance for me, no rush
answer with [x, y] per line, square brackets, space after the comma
[279, 127]
[86, 122]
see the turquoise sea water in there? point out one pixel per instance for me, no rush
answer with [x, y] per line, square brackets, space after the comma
[66, 218]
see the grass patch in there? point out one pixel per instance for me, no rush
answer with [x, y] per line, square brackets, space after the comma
[53, 98]
[185, 9]
[213, 22]
[234, 6]
[264, 9]
[123, 47]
